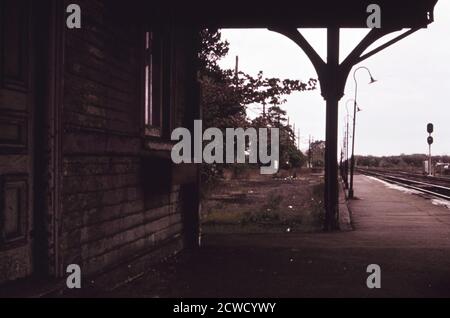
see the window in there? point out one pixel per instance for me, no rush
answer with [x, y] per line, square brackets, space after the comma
[153, 81]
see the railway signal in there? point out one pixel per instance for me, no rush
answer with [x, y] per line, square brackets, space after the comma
[430, 129]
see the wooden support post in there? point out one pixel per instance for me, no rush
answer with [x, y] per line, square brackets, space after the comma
[191, 192]
[332, 97]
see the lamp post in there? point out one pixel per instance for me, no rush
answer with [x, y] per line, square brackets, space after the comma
[347, 134]
[355, 105]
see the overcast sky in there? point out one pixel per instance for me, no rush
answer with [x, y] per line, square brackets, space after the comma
[413, 85]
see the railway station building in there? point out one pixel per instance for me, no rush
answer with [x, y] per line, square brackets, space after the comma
[86, 115]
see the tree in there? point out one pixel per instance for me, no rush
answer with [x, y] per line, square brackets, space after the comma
[226, 96]
[316, 153]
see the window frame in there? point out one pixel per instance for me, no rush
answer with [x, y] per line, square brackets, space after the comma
[154, 79]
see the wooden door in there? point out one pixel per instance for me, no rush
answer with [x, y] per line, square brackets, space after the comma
[16, 146]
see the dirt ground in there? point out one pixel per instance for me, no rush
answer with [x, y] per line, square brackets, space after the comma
[260, 205]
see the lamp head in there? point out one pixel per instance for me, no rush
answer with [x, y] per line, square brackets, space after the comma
[372, 80]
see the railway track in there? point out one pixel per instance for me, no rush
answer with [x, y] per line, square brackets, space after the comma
[431, 187]
[440, 180]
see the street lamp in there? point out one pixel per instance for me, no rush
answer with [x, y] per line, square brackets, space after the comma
[346, 141]
[355, 108]
[347, 134]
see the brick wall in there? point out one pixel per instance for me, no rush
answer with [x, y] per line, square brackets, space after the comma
[107, 216]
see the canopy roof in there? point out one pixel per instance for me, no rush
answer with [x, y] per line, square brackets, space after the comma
[297, 13]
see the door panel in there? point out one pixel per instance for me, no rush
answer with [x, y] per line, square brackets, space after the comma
[16, 124]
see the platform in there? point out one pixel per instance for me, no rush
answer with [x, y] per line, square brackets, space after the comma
[388, 215]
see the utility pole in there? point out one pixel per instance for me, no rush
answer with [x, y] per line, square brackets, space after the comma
[236, 72]
[294, 135]
[309, 152]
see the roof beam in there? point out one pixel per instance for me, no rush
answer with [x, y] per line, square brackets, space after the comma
[386, 45]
